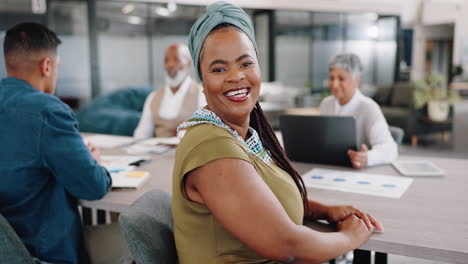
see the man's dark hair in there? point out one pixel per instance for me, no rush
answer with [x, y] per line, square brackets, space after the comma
[30, 37]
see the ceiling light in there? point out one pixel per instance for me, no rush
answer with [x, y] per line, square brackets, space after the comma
[127, 9]
[166, 11]
[39, 6]
[162, 11]
[172, 6]
[135, 20]
[373, 32]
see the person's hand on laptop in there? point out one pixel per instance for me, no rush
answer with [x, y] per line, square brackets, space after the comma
[358, 158]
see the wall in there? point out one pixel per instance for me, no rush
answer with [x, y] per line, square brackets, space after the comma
[439, 12]
[421, 34]
[436, 19]
[74, 72]
[123, 61]
[460, 49]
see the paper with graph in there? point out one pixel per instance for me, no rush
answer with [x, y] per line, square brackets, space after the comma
[357, 182]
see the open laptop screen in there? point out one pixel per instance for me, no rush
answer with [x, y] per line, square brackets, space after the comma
[318, 139]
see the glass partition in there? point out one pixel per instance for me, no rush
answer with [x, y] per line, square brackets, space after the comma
[306, 41]
[69, 20]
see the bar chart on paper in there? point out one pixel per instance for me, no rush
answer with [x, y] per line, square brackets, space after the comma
[356, 182]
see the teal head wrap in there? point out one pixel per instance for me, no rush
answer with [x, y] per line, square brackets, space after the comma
[217, 13]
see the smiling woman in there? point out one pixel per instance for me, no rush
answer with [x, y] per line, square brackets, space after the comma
[231, 76]
[235, 194]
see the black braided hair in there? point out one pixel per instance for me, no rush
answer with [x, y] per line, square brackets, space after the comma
[259, 122]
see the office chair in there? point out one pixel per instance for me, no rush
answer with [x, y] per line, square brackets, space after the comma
[12, 249]
[148, 229]
[116, 113]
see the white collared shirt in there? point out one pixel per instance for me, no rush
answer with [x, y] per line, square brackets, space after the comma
[371, 126]
[170, 108]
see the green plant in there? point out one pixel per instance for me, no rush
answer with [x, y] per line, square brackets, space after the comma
[433, 88]
[308, 87]
[457, 70]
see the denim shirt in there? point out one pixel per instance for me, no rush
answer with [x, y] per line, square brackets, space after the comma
[44, 169]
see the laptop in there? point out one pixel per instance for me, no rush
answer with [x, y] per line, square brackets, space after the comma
[318, 139]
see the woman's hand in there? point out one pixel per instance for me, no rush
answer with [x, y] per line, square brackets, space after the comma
[340, 213]
[355, 229]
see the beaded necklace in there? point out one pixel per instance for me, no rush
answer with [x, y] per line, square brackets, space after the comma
[253, 144]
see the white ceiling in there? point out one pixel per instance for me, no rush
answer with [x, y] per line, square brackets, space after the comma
[409, 10]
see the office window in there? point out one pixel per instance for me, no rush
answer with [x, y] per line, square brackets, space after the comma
[133, 38]
[169, 30]
[306, 41]
[69, 19]
[292, 54]
[122, 45]
[13, 12]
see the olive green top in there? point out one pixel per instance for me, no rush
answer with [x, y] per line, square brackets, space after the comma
[199, 236]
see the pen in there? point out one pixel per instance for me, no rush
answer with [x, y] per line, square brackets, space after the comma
[137, 163]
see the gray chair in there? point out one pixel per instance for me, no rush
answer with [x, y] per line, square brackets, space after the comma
[148, 228]
[397, 133]
[12, 249]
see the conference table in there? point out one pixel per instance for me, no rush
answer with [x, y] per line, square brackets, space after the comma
[429, 221]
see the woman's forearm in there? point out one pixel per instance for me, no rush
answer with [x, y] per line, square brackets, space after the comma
[318, 247]
[317, 211]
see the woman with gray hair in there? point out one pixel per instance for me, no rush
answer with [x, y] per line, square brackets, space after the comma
[373, 135]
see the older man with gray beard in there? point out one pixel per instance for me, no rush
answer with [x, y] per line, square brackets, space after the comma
[175, 101]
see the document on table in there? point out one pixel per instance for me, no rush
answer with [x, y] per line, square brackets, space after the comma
[129, 179]
[108, 141]
[155, 145]
[357, 182]
[123, 170]
[161, 141]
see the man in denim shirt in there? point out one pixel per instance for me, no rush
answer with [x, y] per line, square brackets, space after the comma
[44, 165]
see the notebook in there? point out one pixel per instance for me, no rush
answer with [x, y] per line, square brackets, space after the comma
[129, 179]
[417, 168]
[124, 170]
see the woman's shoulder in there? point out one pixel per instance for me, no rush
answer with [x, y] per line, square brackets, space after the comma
[204, 143]
[204, 133]
[370, 109]
[327, 104]
[328, 100]
[369, 104]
